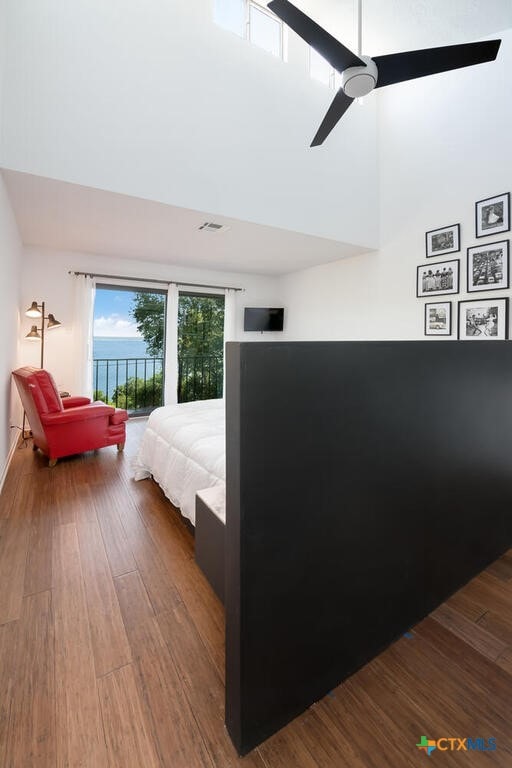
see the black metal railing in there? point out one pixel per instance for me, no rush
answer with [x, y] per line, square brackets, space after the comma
[199, 377]
[134, 383]
[137, 383]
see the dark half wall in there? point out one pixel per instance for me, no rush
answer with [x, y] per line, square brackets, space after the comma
[366, 482]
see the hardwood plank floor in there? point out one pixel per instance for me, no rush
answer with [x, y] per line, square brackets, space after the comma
[177, 735]
[109, 511]
[38, 569]
[472, 634]
[31, 737]
[112, 644]
[127, 733]
[8, 634]
[80, 737]
[14, 538]
[108, 635]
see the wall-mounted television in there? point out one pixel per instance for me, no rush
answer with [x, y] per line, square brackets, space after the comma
[263, 318]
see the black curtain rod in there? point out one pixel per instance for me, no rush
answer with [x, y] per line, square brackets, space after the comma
[151, 280]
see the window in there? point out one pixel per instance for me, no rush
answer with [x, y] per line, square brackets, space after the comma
[253, 21]
[265, 30]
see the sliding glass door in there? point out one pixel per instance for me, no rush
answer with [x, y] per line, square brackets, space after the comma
[200, 346]
[128, 347]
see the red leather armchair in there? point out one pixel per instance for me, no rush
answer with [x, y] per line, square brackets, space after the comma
[62, 427]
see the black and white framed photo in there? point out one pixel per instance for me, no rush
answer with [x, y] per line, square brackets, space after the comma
[442, 241]
[437, 279]
[438, 319]
[483, 319]
[493, 215]
[488, 267]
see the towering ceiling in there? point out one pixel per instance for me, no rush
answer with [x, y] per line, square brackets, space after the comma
[395, 25]
[127, 151]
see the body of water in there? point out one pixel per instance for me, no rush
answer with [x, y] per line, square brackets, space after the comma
[109, 348]
[131, 354]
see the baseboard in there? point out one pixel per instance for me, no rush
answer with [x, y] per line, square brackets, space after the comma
[8, 461]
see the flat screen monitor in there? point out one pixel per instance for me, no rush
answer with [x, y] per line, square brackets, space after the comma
[263, 318]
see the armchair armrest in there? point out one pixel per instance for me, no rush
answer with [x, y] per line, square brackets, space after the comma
[82, 413]
[74, 402]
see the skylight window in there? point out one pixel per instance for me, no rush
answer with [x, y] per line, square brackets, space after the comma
[253, 21]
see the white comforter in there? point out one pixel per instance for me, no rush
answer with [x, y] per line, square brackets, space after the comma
[183, 448]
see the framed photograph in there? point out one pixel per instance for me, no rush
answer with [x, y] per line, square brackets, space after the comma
[488, 266]
[483, 319]
[438, 279]
[493, 215]
[438, 319]
[442, 241]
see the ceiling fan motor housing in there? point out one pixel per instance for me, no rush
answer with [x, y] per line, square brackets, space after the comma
[359, 81]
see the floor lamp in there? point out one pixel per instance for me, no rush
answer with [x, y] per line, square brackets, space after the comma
[37, 310]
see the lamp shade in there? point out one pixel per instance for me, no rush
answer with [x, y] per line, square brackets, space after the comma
[34, 333]
[33, 310]
[52, 322]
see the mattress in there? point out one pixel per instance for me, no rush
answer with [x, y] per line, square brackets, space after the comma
[183, 449]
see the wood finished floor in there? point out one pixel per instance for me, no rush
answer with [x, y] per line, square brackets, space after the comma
[112, 643]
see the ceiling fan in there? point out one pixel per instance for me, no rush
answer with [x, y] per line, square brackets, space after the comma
[361, 74]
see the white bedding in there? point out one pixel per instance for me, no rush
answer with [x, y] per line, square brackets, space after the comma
[183, 448]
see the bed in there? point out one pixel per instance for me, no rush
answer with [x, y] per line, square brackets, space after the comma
[183, 449]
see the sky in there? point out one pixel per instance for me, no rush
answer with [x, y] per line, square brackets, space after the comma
[111, 314]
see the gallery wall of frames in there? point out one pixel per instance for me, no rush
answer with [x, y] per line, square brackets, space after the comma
[484, 270]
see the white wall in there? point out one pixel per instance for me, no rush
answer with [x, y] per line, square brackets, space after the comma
[46, 278]
[10, 268]
[154, 100]
[444, 143]
[3, 50]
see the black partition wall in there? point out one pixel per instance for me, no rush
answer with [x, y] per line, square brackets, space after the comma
[366, 481]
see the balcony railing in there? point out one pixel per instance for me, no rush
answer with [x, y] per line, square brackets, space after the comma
[134, 383]
[199, 377]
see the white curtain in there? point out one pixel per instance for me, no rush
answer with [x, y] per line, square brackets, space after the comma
[85, 289]
[171, 346]
[229, 325]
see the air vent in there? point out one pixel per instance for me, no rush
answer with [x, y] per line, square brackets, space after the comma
[210, 226]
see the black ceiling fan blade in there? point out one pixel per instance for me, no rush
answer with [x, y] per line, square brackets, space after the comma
[339, 106]
[338, 55]
[398, 67]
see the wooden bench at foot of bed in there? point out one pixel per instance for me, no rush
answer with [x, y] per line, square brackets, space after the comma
[209, 536]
